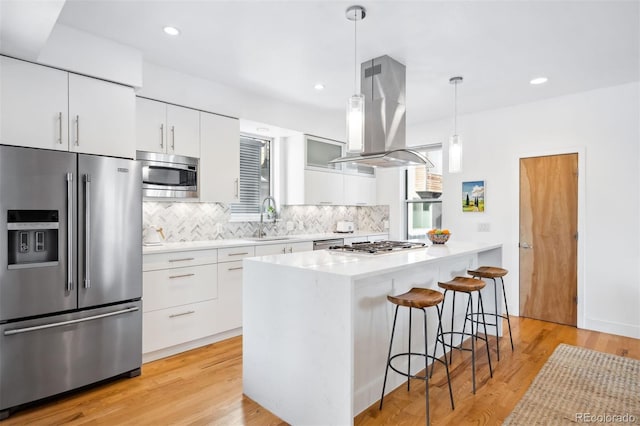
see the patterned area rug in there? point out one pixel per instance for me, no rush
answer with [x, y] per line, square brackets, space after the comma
[578, 385]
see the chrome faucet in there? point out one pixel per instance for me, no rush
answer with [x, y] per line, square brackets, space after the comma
[261, 232]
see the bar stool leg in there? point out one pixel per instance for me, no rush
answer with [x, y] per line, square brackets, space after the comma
[506, 308]
[496, 316]
[426, 365]
[409, 351]
[444, 349]
[453, 314]
[393, 330]
[484, 322]
[473, 343]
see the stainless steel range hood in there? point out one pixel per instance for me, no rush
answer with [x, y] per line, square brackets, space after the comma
[383, 85]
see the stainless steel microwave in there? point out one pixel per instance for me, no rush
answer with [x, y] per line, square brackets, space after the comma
[168, 176]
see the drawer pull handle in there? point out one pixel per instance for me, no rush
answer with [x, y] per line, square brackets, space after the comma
[186, 259]
[235, 269]
[238, 254]
[181, 276]
[182, 314]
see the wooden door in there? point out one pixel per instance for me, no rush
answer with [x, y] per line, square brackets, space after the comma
[548, 238]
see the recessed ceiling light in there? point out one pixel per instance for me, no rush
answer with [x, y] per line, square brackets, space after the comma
[173, 31]
[262, 130]
[539, 80]
[319, 86]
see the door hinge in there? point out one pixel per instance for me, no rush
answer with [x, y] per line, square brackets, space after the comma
[575, 299]
[576, 236]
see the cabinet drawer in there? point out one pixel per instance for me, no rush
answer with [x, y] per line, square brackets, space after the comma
[155, 261]
[168, 327]
[179, 286]
[235, 253]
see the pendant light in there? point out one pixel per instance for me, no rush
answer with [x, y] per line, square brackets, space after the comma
[355, 104]
[455, 141]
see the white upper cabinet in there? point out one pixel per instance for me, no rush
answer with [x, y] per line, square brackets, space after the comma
[219, 158]
[168, 129]
[183, 131]
[33, 105]
[151, 125]
[101, 117]
[319, 152]
[324, 188]
[360, 190]
[43, 107]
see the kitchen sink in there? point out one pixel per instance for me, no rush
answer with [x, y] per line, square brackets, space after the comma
[269, 238]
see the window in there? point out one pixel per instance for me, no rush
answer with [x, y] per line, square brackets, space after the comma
[255, 177]
[423, 188]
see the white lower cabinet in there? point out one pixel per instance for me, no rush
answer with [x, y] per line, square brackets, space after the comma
[180, 298]
[180, 324]
[229, 314]
[267, 249]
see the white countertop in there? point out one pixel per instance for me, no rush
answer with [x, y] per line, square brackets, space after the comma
[362, 265]
[213, 244]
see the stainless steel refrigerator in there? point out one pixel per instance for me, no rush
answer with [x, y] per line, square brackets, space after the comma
[70, 272]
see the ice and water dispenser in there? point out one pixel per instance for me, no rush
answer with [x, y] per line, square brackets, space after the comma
[33, 238]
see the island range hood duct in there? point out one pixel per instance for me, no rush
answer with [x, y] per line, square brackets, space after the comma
[383, 85]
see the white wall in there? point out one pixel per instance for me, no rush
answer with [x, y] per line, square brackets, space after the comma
[604, 127]
[171, 86]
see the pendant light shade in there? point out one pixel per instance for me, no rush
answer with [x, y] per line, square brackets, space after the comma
[455, 141]
[355, 104]
[355, 124]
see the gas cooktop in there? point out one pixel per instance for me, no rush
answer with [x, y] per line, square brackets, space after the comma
[378, 247]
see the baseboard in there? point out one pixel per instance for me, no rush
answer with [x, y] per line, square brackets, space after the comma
[173, 350]
[620, 329]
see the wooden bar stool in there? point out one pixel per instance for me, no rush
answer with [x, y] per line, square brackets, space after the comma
[469, 286]
[418, 298]
[492, 272]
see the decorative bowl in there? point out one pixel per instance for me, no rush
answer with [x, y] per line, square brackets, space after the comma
[438, 238]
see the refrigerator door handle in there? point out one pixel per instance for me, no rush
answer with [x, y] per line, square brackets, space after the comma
[69, 231]
[62, 323]
[87, 231]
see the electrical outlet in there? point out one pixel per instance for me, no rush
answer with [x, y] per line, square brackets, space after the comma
[300, 225]
[484, 227]
[289, 226]
[219, 228]
[385, 224]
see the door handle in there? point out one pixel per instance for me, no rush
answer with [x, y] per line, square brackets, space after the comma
[87, 231]
[75, 321]
[60, 128]
[162, 136]
[69, 231]
[173, 138]
[180, 276]
[237, 188]
[77, 130]
[525, 245]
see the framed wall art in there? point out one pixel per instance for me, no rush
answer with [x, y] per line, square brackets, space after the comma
[473, 196]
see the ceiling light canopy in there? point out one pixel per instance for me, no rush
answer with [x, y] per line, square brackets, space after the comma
[318, 86]
[172, 31]
[538, 80]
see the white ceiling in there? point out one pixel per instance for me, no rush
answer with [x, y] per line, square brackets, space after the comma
[282, 48]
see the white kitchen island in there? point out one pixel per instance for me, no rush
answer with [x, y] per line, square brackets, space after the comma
[316, 325]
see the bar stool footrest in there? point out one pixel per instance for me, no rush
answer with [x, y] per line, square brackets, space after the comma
[407, 354]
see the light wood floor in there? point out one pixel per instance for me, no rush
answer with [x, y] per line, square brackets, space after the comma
[204, 387]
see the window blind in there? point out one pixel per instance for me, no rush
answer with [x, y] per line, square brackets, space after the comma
[250, 168]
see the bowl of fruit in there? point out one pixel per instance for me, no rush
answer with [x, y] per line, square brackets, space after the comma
[438, 236]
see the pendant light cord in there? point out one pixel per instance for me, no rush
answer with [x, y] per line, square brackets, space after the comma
[355, 56]
[455, 108]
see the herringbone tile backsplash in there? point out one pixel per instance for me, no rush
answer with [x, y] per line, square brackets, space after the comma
[211, 221]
